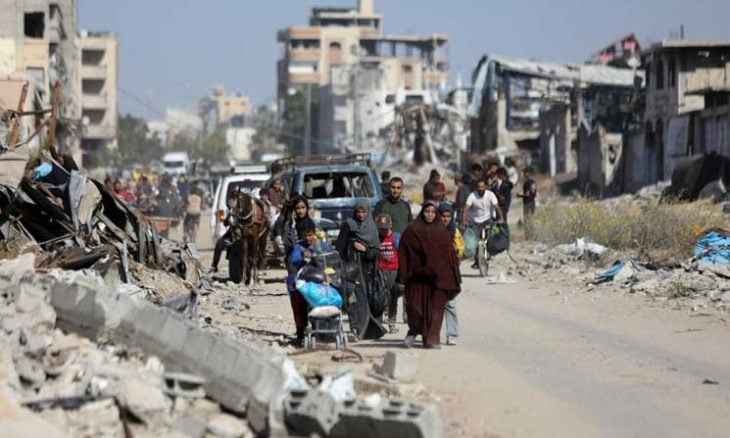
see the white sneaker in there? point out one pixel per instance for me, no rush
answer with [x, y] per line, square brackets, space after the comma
[450, 340]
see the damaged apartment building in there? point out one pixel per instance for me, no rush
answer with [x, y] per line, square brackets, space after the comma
[38, 44]
[356, 73]
[685, 112]
[542, 107]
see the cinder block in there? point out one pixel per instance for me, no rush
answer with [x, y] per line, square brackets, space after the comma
[400, 366]
[310, 412]
[149, 322]
[172, 336]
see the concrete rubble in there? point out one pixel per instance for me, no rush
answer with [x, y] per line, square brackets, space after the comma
[86, 359]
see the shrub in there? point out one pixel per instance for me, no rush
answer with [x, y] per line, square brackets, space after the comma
[625, 225]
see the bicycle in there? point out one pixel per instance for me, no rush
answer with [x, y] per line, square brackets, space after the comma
[483, 256]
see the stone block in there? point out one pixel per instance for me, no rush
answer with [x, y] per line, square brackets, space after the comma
[400, 366]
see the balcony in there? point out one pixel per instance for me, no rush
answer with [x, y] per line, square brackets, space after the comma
[304, 55]
[94, 101]
[93, 71]
[100, 131]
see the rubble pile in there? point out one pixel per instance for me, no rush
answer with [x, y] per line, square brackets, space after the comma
[695, 283]
[75, 223]
[77, 387]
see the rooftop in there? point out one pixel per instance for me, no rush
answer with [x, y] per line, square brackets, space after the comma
[689, 44]
[589, 73]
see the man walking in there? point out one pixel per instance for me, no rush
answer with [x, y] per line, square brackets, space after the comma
[503, 189]
[479, 211]
[528, 195]
[400, 216]
[398, 209]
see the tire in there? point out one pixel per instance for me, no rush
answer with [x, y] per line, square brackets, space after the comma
[483, 258]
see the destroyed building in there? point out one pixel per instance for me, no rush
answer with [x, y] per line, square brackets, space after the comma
[344, 57]
[99, 64]
[540, 106]
[686, 111]
[38, 39]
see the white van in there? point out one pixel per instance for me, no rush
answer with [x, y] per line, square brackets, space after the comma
[245, 182]
[176, 163]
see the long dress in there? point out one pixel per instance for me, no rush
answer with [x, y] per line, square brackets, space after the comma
[428, 268]
[360, 273]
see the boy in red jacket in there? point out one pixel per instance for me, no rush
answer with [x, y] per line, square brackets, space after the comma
[388, 265]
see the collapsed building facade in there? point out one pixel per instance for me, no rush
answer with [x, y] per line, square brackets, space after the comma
[354, 72]
[685, 111]
[38, 41]
[540, 106]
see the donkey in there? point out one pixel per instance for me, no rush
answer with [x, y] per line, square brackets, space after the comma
[250, 232]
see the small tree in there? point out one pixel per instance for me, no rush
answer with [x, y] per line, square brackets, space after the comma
[135, 143]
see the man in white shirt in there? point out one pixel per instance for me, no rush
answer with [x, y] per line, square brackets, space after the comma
[480, 209]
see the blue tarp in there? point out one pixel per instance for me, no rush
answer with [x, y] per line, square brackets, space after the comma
[609, 273]
[713, 248]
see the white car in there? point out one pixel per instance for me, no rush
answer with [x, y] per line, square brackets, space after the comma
[246, 182]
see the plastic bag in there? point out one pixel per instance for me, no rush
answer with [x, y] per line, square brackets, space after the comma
[498, 241]
[470, 243]
[318, 295]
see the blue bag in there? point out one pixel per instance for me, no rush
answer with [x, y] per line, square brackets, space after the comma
[319, 295]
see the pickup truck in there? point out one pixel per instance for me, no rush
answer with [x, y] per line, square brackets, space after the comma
[334, 188]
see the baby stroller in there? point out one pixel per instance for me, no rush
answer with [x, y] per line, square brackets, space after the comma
[319, 283]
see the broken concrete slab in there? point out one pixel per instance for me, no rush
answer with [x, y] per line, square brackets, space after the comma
[227, 426]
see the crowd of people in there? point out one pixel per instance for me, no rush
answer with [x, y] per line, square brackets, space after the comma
[398, 257]
[169, 196]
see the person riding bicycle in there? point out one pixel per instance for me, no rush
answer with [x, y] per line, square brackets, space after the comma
[479, 211]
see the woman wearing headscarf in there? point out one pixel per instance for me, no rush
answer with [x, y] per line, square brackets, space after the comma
[358, 244]
[446, 213]
[428, 267]
[298, 218]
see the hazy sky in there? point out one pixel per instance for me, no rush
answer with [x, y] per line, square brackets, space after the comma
[173, 51]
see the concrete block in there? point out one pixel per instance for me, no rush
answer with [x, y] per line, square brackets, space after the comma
[198, 345]
[148, 324]
[310, 412]
[80, 309]
[388, 418]
[400, 366]
[173, 335]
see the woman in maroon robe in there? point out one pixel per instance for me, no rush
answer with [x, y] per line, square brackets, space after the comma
[428, 268]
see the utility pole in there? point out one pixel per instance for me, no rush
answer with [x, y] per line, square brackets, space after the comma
[307, 152]
[357, 128]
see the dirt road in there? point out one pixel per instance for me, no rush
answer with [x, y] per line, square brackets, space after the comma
[540, 359]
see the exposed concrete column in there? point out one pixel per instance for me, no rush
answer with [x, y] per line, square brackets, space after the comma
[366, 7]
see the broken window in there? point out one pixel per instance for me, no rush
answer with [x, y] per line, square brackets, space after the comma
[92, 86]
[92, 57]
[672, 74]
[34, 24]
[659, 75]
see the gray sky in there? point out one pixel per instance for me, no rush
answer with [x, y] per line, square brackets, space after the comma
[173, 51]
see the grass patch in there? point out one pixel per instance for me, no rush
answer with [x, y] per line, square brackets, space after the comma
[626, 225]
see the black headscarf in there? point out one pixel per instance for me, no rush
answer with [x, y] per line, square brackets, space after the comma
[364, 231]
[448, 208]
